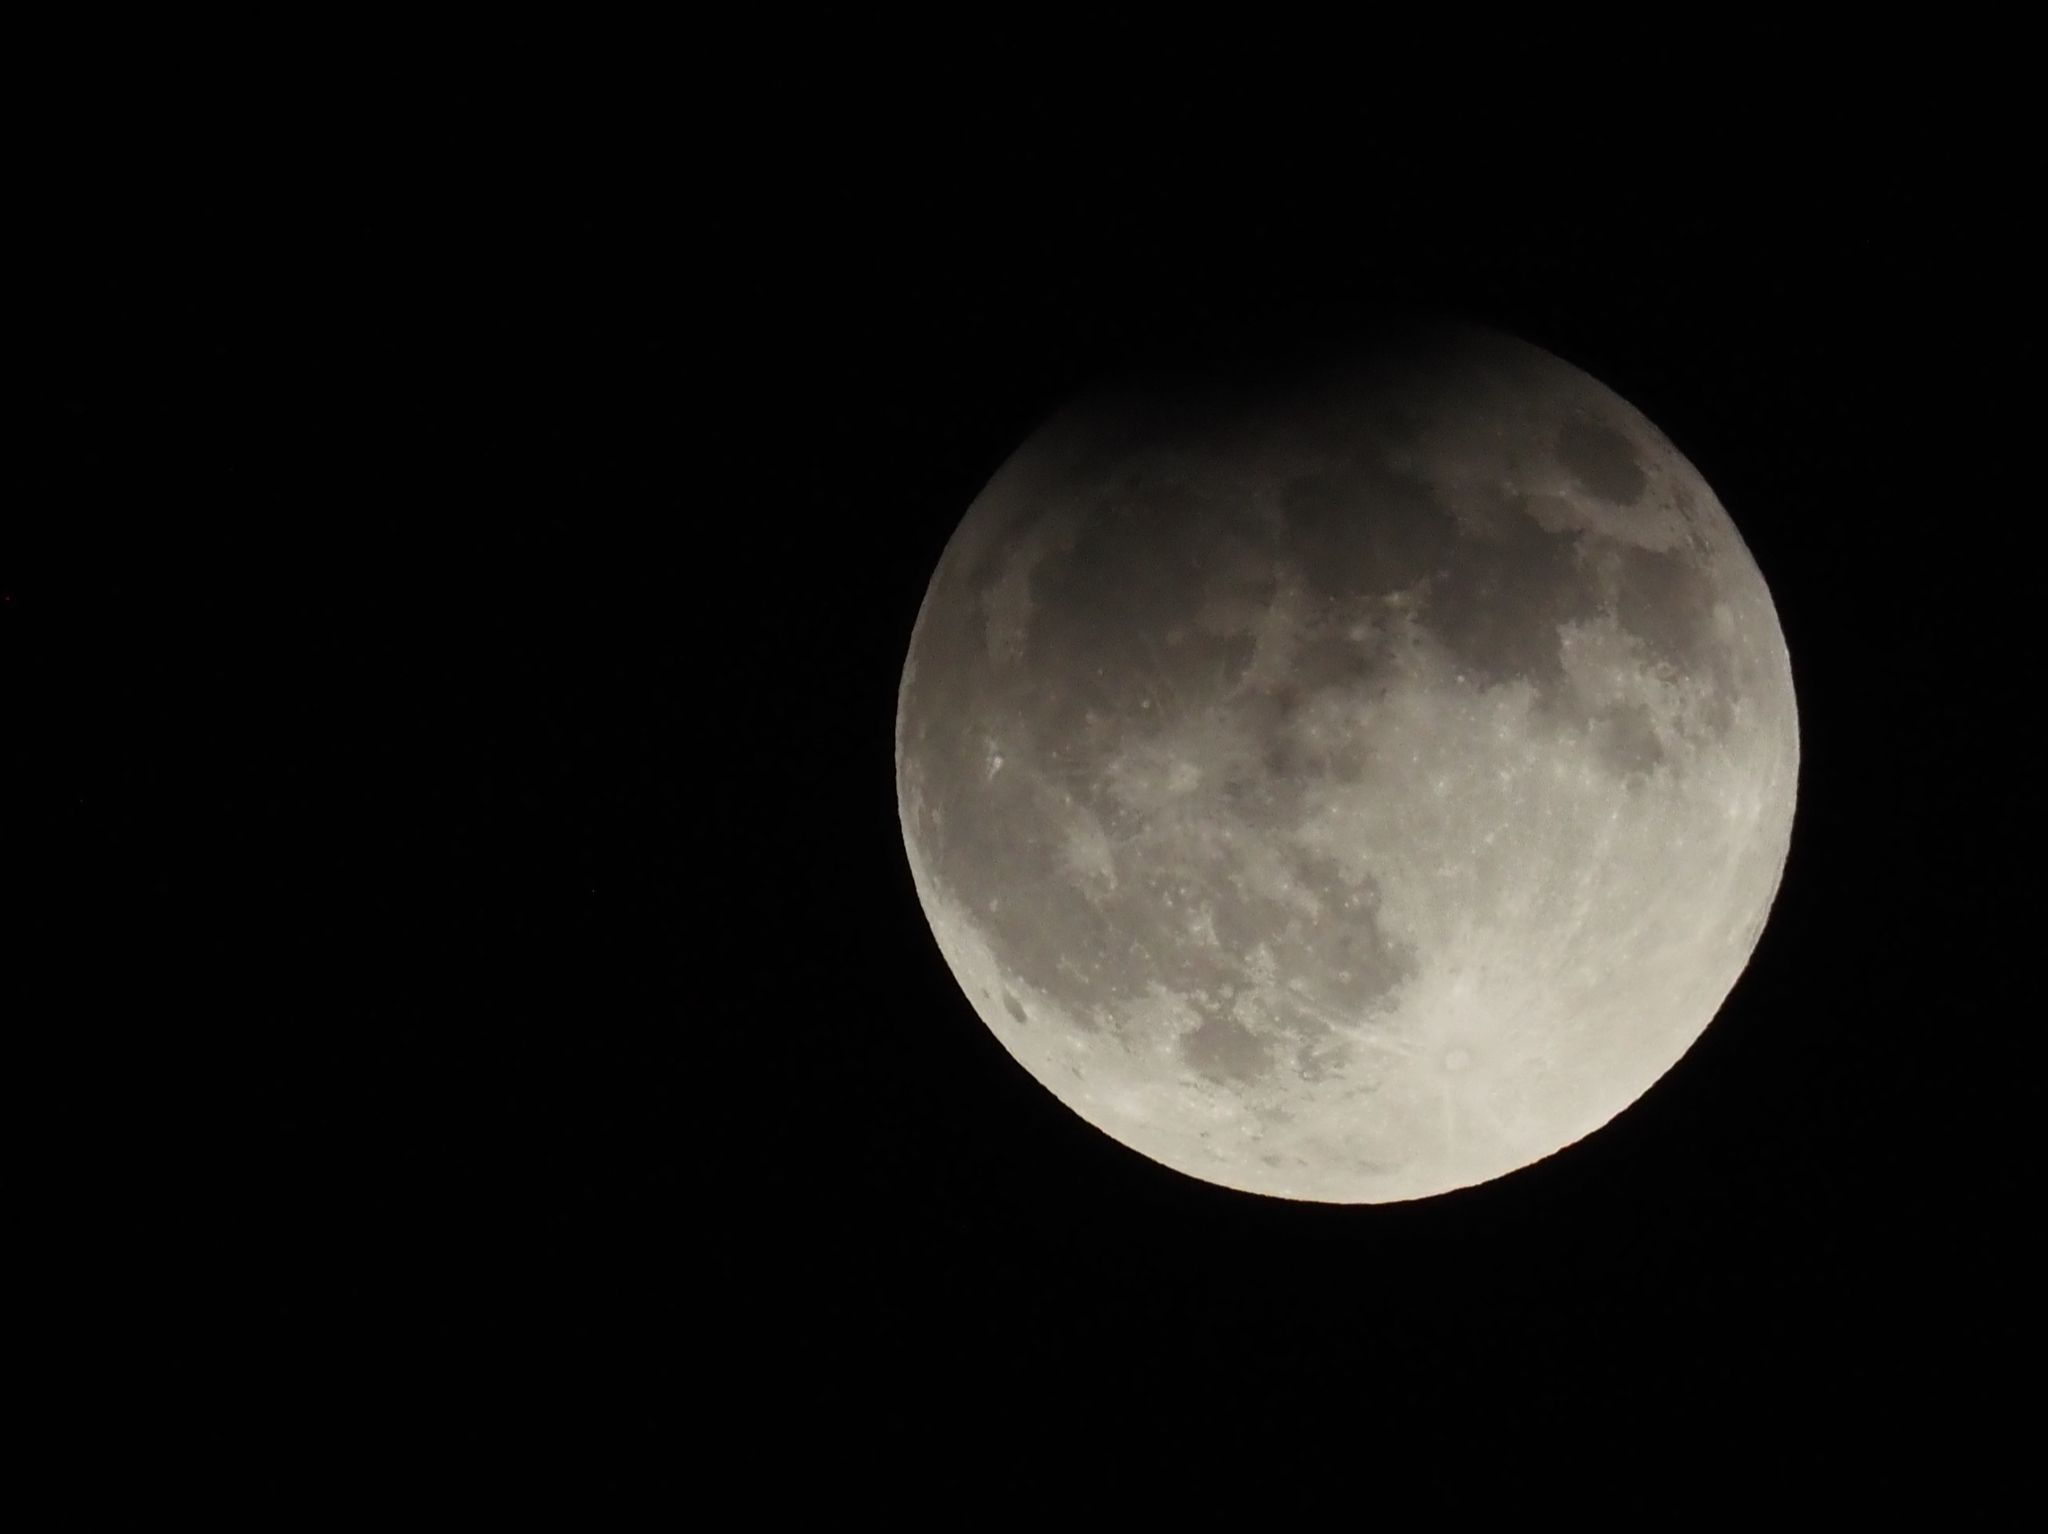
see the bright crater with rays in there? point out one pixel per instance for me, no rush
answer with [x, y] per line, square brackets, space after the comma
[1354, 784]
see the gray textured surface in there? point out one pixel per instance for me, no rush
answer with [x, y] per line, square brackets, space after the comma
[1353, 788]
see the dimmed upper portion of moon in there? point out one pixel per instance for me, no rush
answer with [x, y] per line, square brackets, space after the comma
[1352, 784]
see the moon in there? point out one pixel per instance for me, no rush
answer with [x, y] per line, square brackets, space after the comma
[1350, 780]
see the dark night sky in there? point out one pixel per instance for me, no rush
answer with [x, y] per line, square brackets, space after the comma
[464, 608]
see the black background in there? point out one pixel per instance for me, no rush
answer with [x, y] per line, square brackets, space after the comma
[460, 586]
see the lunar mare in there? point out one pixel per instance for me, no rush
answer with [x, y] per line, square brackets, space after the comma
[1352, 785]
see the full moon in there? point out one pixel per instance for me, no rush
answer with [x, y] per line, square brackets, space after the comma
[1348, 780]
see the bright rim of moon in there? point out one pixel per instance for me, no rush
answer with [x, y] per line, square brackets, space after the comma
[1356, 787]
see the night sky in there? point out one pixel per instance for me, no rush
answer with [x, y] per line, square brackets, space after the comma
[460, 591]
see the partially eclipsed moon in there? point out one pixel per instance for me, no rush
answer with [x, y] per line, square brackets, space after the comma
[1354, 787]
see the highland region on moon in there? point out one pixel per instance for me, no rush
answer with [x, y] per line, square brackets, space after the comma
[1353, 786]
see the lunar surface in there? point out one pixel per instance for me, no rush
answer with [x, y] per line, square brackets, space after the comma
[1352, 782]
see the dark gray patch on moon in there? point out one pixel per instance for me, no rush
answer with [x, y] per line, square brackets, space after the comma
[1602, 461]
[1499, 603]
[1626, 740]
[1667, 601]
[1401, 543]
[1225, 1050]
